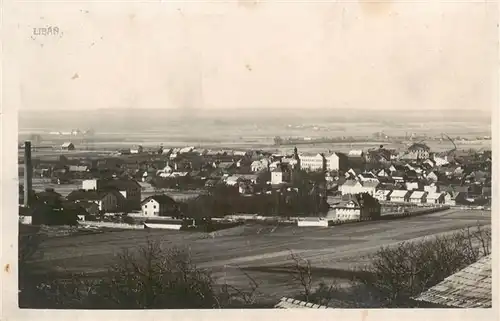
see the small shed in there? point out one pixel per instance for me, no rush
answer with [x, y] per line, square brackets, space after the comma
[68, 146]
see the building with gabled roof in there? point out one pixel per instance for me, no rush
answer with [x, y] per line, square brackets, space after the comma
[357, 206]
[399, 196]
[435, 198]
[383, 194]
[107, 201]
[418, 197]
[159, 205]
[68, 146]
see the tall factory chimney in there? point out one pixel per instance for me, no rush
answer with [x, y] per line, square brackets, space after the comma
[28, 173]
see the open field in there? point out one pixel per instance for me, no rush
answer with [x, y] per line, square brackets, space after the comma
[342, 247]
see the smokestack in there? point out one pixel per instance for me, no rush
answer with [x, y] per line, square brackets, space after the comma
[28, 173]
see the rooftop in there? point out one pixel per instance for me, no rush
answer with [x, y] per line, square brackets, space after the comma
[289, 303]
[468, 288]
[399, 193]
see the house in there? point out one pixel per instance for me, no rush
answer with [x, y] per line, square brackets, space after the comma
[336, 162]
[418, 197]
[186, 150]
[432, 188]
[274, 165]
[399, 196]
[357, 187]
[440, 160]
[429, 163]
[107, 201]
[166, 151]
[136, 149]
[370, 187]
[368, 176]
[259, 165]
[449, 198]
[357, 206]
[432, 176]
[351, 186]
[166, 170]
[91, 207]
[232, 180]
[469, 288]
[383, 195]
[78, 168]
[314, 162]
[49, 197]
[410, 186]
[435, 198]
[384, 172]
[159, 205]
[418, 151]
[379, 156]
[356, 153]
[352, 173]
[226, 166]
[130, 189]
[280, 175]
[398, 176]
[68, 146]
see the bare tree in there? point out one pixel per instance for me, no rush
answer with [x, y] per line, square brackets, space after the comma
[231, 296]
[301, 273]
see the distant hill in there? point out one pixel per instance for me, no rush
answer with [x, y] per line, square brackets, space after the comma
[112, 118]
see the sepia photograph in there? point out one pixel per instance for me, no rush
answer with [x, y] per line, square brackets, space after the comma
[250, 154]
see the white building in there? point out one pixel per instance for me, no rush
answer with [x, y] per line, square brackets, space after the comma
[259, 165]
[312, 162]
[335, 162]
[435, 198]
[383, 195]
[356, 153]
[449, 199]
[418, 197]
[90, 184]
[399, 196]
[410, 186]
[136, 149]
[431, 188]
[277, 176]
[313, 222]
[348, 211]
[158, 205]
[440, 161]
[357, 187]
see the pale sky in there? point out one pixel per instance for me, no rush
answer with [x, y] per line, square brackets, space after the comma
[343, 54]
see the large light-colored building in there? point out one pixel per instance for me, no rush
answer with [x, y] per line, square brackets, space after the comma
[158, 205]
[130, 189]
[336, 161]
[357, 187]
[312, 162]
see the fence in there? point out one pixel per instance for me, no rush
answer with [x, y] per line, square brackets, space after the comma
[113, 225]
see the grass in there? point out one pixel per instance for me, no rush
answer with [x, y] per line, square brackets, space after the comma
[341, 248]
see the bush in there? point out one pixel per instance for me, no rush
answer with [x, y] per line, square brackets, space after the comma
[400, 272]
[148, 278]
